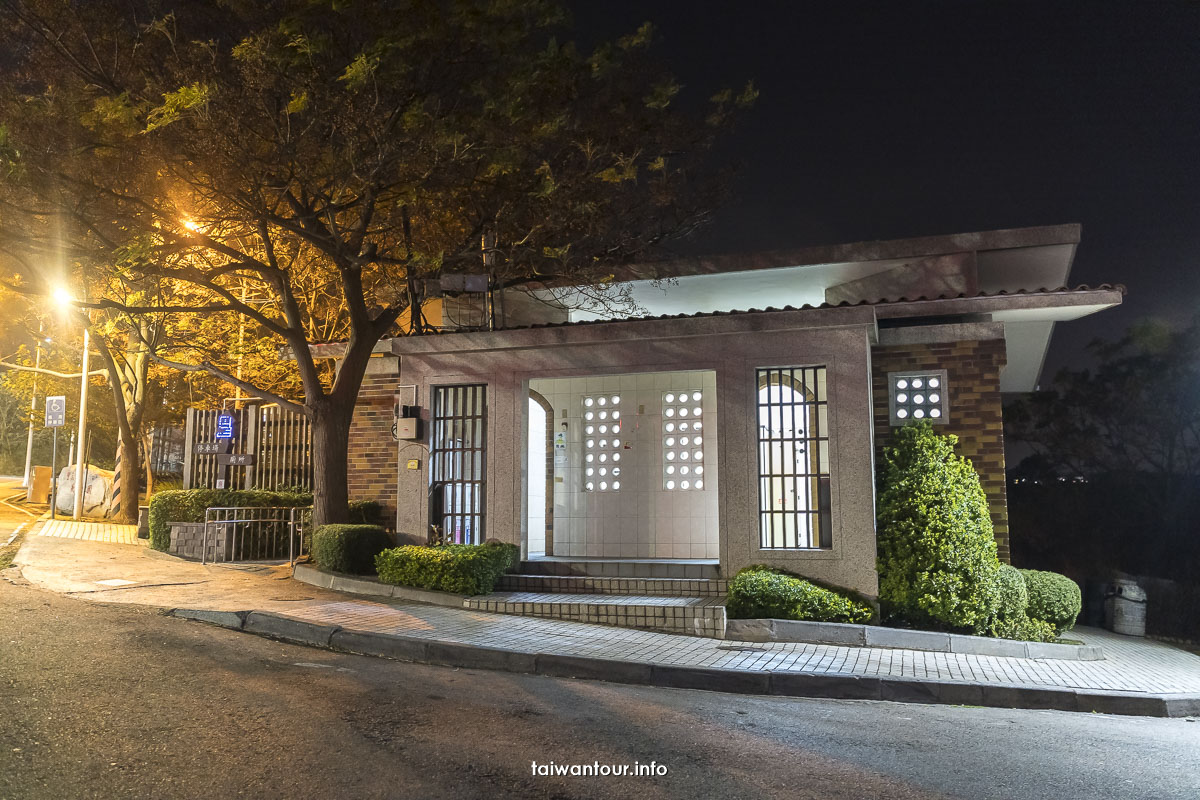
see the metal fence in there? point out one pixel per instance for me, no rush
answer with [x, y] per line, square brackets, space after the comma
[266, 533]
[279, 440]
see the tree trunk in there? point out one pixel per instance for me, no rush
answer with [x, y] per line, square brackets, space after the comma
[131, 474]
[330, 446]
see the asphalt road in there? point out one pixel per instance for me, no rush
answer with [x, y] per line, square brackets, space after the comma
[105, 701]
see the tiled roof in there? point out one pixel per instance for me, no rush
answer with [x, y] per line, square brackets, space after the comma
[1104, 287]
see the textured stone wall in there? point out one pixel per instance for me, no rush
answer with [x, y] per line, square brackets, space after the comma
[373, 452]
[973, 381]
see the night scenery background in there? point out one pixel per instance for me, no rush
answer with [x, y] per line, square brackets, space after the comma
[894, 120]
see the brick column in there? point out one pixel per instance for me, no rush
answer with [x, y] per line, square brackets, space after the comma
[372, 451]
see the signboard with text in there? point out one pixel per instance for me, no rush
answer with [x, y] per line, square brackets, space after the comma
[224, 426]
[56, 411]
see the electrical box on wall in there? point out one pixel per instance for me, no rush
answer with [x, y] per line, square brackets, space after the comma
[407, 421]
[408, 428]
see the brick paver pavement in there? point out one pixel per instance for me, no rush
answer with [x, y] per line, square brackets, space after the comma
[108, 532]
[1132, 665]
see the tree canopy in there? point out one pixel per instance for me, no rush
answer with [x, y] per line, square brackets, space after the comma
[303, 166]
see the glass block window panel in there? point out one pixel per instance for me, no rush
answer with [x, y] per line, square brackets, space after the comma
[602, 442]
[793, 459]
[916, 396]
[683, 438]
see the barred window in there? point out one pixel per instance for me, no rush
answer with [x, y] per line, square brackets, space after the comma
[793, 459]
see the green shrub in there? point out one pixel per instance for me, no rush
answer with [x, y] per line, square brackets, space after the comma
[189, 505]
[1012, 598]
[1053, 598]
[458, 568]
[937, 555]
[760, 592]
[1023, 628]
[349, 548]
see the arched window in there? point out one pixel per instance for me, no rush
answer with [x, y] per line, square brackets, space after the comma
[793, 459]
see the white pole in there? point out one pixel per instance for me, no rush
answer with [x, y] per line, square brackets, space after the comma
[82, 451]
[37, 363]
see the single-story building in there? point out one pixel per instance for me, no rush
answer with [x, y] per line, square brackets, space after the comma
[737, 421]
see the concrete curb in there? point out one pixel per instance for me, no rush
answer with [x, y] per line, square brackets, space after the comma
[781, 684]
[788, 630]
[306, 573]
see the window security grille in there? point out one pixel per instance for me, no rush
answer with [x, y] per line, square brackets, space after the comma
[793, 459]
[683, 440]
[602, 443]
[458, 462]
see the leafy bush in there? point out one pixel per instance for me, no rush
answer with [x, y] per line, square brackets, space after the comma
[937, 554]
[458, 568]
[1023, 628]
[761, 592]
[189, 505]
[1011, 620]
[1053, 598]
[349, 548]
[1012, 598]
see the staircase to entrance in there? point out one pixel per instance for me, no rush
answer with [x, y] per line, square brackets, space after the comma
[674, 595]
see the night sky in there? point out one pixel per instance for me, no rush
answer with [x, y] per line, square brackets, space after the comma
[895, 119]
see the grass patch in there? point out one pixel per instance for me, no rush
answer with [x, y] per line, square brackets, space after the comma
[9, 551]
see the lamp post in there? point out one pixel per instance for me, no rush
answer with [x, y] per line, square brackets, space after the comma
[64, 300]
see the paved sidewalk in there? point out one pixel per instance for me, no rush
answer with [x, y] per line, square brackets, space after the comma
[1136, 668]
[109, 532]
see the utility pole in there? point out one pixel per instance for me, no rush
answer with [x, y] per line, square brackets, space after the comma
[37, 363]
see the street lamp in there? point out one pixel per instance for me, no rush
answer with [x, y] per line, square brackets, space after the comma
[64, 300]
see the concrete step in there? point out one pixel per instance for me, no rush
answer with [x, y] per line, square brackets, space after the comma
[587, 584]
[695, 616]
[690, 568]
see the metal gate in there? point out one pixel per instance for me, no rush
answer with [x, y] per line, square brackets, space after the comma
[458, 464]
[266, 533]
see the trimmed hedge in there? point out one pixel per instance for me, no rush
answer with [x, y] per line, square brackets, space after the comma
[349, 548]
[458, 568]
[189, 505]
[1053, 598]
[937, 553]
[760, 592]
[1024, 629]
[1012, 598]
[366, 512]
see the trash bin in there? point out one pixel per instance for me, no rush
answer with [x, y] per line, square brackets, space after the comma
[1125, 608]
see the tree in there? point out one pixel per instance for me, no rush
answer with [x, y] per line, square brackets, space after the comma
[329, 157]
[1118, 443]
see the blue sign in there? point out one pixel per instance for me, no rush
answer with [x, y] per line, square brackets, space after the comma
[225, 426]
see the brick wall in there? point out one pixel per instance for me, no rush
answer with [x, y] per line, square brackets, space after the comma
[373, 451]
[973, 381]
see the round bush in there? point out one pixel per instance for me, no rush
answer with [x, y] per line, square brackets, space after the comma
[1012, 598]
[937, 554]
[1054, 598]
[349, 548]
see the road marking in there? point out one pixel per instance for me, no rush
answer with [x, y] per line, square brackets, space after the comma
[116, 582]
[18, 508]
[15, 534]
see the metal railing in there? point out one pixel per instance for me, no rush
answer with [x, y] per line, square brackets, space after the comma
[265, 533]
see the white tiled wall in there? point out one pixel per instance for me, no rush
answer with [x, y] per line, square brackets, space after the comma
[642, 520]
